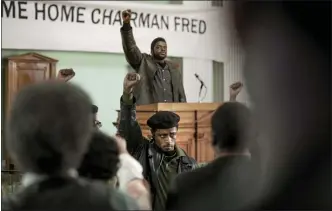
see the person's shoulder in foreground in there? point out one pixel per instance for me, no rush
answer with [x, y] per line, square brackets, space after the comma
[121, 201]
[102, 196]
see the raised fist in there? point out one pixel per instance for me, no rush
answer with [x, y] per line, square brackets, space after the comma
[65, 74]
[235, 89]
[130, 81]
[126, 15]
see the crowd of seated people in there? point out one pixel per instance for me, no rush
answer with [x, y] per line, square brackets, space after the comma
[69, 164]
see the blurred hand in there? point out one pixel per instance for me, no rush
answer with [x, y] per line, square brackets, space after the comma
[65, 74]
[126, 16]
[97, 124]
[122, 145]
[235, 89]
[130, 81]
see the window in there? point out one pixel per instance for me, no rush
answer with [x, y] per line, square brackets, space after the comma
[218, 81]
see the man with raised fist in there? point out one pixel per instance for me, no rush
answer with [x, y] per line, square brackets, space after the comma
[160, 81]
[161, 158]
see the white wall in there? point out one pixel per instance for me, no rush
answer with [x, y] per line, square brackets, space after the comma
[100, 74]
[191, 85]
[233, 70]
[233, 60]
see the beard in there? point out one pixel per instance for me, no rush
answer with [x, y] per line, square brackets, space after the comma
[159, 57]
[168, 148]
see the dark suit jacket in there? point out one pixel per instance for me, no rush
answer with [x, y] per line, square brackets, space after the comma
[68, 194]
[147, 67]
[228, 183]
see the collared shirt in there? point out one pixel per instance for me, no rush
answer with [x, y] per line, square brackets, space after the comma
[162, 85]
[30, 178]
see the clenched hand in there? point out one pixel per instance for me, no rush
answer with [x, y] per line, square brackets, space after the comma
[234, 90]
[130, 81]
[126, 16]
[65, 74]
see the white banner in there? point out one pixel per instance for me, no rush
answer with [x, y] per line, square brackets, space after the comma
[95, 27]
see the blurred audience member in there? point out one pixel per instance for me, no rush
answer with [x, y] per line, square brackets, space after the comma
[234, 90]
[220, 185]
[47, 134]
[96, 122]
[101, 162]
[288, 73]
[107, 157]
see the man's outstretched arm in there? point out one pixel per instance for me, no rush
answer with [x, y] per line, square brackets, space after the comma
[129, 129]
[130, 49]
[234, 90]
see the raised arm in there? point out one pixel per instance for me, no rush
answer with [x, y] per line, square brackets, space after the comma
[131, 179]
[234, 90]
[129, 128]
[131, 51]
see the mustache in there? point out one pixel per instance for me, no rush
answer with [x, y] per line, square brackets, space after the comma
[169, 145]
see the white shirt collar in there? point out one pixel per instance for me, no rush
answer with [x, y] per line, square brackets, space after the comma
[30, 178]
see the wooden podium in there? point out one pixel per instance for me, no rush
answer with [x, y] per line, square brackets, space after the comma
[194, 134]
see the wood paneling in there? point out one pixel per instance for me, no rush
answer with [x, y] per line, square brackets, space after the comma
[194, 135]
[23, 70]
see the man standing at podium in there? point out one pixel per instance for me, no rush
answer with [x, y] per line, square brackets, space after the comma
[160, 81]
[161, 158]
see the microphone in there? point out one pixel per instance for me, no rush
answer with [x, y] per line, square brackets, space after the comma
[199, 79]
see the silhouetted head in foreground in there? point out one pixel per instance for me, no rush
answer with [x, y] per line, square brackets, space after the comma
[101, 162]
[49, 127]
[230, 126]
[288, 75]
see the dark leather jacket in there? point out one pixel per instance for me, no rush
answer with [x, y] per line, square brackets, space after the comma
[144, 150]
[144, 65]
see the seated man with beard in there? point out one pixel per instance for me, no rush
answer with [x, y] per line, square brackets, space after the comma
[160, 157]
